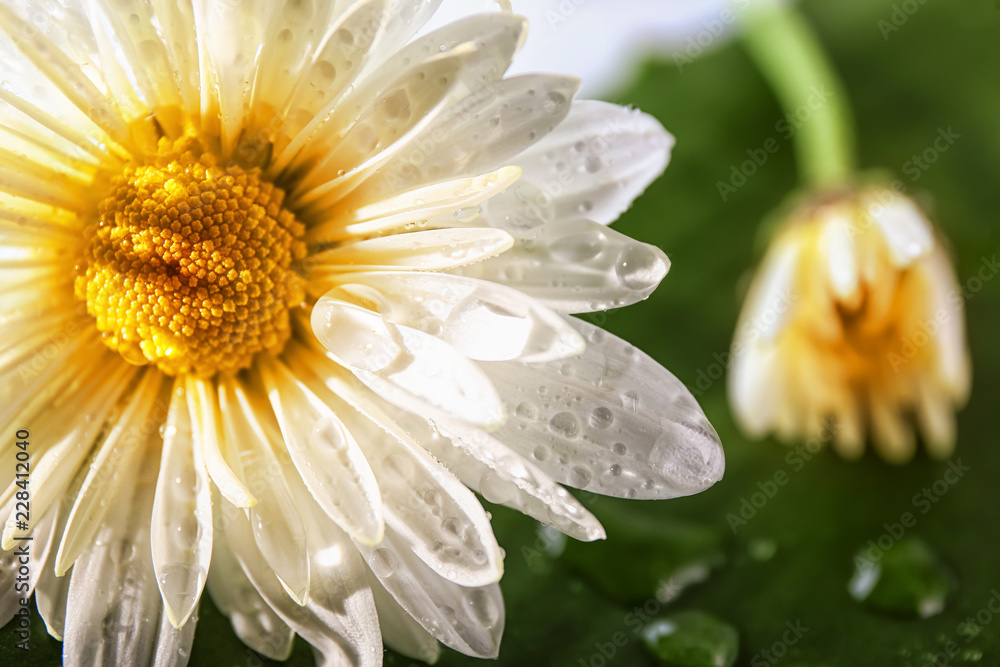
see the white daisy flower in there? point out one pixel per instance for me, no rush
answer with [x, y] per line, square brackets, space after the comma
[283, 286]
[854, 323]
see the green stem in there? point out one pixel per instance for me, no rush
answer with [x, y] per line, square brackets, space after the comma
[790, 56]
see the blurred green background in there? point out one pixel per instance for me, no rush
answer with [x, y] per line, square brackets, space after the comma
[788, 566]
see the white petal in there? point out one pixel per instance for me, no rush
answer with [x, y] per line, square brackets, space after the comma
[482, 320]
[468, 619]
[432, 250]
[219, 459]
[348, 149]
[400, 631]
[841, 257]
[400, 25]
[35, 373]
[487, 466]
[339, 620]
[577, 267]
[115, 464]
[904, 227]
[440, 520]
[255, 623]
[230, 58]
[71, 440]
[181, 537]
[612, 421]
[289, 52]
[345, 48]
[15, 586]
[50, 590]
[276, 525]
[50, 598]
[177, 25]
[597, 161]
[52, 68]
[406, 366]
[325, 454]
[482, 132]
[113, 611]
[752, 376]
[948, 308]
[936, 416]
[392, 110]
[414, 207]
[139, 48]
[768, 304]
[893, 435]
[173, 646]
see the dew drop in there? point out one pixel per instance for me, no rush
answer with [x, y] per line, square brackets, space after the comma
[692, 639]
[639, 267]
[601, 418]
[579, 247]
[579, 477]
[328, 433]
[565, 425]
[382, 562]
[527, 411]
[179, 584]
[467, 214]
[495, 489]
[553, 102]
[483, 607]
[908, 579]
[972, 655]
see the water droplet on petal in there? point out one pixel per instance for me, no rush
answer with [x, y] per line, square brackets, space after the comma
[579, 477]
[328, 433]
[483, 607]
[496, 489]
[565, 425]
[527, 411]
[639, 267]
[179, 584]
[601, 418]
[382, 562]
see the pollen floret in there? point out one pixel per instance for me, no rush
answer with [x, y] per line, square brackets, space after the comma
[190, 264]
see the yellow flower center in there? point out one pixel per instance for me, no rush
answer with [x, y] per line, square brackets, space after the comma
[190, 264]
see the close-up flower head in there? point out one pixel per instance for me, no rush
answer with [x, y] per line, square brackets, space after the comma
[283, 286]
[856, 289]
